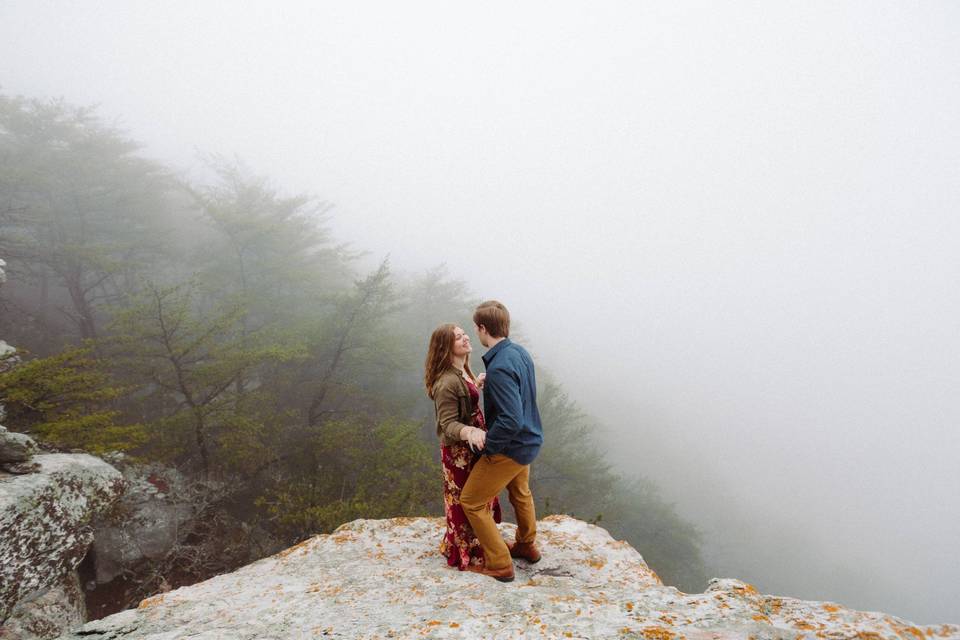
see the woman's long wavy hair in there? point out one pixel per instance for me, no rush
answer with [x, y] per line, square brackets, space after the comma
[440, 356]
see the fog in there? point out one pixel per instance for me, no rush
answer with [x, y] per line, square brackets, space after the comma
[732, 231]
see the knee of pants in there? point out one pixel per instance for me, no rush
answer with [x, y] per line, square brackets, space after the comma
[470, 502]
[521, 502]
[519, 492]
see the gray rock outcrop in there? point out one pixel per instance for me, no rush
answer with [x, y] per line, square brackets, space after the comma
[151, 519]
[46, 613]
[45, 522]
[16, 447]
[386, 579]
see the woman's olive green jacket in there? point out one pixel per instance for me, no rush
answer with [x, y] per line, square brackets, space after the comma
[451, 399]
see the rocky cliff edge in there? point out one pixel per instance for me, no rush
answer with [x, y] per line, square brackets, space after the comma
[386, 579]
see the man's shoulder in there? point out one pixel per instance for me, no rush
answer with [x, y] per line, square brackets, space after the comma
[512, 357]
[518, 354]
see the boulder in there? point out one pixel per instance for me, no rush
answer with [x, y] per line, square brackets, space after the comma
[16, 447]
[46, 613]
[45, 521]
[386, 579]
[150, 515]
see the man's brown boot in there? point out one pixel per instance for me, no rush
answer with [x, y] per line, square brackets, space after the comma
[525, 550]
[503, 575]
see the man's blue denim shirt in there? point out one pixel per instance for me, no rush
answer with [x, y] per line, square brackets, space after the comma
[510, 403]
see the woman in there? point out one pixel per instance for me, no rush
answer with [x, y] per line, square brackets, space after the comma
[455, 392]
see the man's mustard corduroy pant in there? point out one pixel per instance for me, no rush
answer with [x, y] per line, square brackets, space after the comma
[489, 476]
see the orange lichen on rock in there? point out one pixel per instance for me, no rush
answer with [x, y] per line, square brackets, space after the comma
[905, 631]
[629, 606]
[658, 633]
[404, 521]
[556, 518]
[772, 606]
[327, 591]
[832, 608]
[288, 551]
[746, 589]
[568, 598]
[343, 537]
[152, 601]
[802, 624]
[762, 618]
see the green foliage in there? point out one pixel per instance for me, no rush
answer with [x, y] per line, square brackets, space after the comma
[190, 365]
[270, 253]
[670, 545]
[356, 470]
[570, 469]
[68, 400]
[351, 353]
[81, 213]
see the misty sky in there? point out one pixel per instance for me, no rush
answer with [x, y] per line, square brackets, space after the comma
[731, 229]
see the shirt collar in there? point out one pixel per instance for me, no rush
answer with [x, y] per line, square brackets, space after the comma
[497, 348]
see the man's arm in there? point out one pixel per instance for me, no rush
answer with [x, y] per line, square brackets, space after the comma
[502, 388]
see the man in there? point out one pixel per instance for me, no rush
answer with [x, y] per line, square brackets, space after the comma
[510, 444]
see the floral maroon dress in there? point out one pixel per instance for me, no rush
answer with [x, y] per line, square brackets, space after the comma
[459, 545]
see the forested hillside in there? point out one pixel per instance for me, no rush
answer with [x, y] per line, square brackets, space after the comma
[218, 328]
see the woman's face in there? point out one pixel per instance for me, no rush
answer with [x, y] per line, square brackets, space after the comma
[461, 343]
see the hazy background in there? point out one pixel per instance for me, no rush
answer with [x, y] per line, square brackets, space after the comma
[731, 229]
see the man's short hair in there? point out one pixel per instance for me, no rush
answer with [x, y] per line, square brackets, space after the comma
[495, 317]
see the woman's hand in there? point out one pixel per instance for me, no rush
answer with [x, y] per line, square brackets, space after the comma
[475, 437]
[481, 379]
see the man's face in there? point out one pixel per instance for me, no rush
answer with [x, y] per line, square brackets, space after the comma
[483, 335]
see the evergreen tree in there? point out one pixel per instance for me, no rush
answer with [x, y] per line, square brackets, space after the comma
[187, 362]
[80, 212]
[68, 400]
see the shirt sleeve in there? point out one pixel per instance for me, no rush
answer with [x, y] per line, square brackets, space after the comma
[503, 389]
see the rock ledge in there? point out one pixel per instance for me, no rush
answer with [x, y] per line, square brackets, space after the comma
[385, 579]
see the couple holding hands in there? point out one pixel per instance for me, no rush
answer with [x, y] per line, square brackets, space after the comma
[482, 456]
